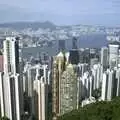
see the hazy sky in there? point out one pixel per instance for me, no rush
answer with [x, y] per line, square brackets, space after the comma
[71, 11]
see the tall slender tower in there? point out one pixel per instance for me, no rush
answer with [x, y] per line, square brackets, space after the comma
[104, 58]
[40, 99]
[11, 55]
[96, 72]
[12, 85]
[58, 69]
[2, 107]
[118, 81]
[61, 45]
[74, 53]
[74, 43]
[109, 85]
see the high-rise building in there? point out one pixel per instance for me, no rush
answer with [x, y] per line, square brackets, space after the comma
[96, 72]
[12, 84]
[2, 107]
[86, 86]
[119, 59]
[13, 100]
[109, 85]
[113, 55]
[74, 43]
[58, 69]
[11, 55]
[82, 68]
[118, 81]
[45, 73]
[104, 58]
[32, 73]
[74, 56]
[61, 45]
[104, 86]
[74, 53]
[1, 63]
[68, 90]
[40, 100]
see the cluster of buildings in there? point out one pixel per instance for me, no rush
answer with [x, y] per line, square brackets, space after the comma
[43, 37]
[44, 90]
[77, 80]
[23, 88]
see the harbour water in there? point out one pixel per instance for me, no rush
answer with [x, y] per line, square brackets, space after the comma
[84, 41]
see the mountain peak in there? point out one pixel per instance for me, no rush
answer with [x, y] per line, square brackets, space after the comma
[28, 24]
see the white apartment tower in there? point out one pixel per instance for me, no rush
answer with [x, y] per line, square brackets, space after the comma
[11, 55]
[40, 99]
[12, 94]
[109, 85]
[96, 72]
[118, 81]
[86, 86]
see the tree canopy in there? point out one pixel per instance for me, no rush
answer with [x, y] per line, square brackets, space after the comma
[96, 111]
[4, 118]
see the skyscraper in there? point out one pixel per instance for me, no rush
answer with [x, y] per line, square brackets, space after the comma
[40, 100]
[12, 85]
[2, 107]
[118, 81]
[1, 63]
[86, 86]
[96, 72]
[61, 45]
[68, 90]
[104, 86]
[104, 58]
[82, 68]
[13, 100]
[11, 55]
[74, 53]
[74, 43]
[32, 73]
[109, 85]
[113, 54]
[58, 69]
[74, 56]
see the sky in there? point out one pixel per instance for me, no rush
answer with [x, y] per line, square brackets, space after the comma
[101, 12]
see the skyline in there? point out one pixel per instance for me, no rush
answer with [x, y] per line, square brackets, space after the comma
[48, 71]
[62, 12]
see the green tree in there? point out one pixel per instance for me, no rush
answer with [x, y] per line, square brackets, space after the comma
[4, 118]
[96, 111]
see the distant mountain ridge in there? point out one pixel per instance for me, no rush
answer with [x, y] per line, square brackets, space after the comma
[19, 18]
[33, 25]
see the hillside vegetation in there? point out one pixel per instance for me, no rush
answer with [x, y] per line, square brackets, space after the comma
[97, 111]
